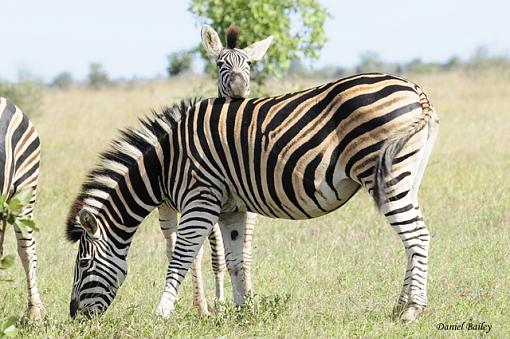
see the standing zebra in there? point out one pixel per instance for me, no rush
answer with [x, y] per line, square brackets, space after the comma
[19, 163]
[296, 156]
[233, 82]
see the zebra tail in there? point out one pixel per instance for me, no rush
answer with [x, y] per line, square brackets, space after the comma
[394, 145]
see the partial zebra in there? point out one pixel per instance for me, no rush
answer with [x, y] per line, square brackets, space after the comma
[233, 82]
[19, 170]
[233, 64]
[295, 156]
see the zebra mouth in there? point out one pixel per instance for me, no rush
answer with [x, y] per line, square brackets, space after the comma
[239, 93]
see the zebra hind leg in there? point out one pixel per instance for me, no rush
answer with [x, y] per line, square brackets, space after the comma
[404, 307]
[251, 219]
[406, 219]
[218, 261]
[403, 213]
[232, 227]
[199, 299]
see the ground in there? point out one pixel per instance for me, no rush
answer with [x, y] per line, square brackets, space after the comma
[337, 275]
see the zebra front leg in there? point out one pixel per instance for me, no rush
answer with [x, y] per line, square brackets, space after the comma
[232, 227]
[168, 224]
[28, 255]
[197, 220]
[407, 221]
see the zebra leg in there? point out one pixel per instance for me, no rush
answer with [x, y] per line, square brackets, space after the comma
[233, 230]
[199, 299]
[251, 219]
[168, 225]
[28, 255]
[218, 261]
[197, 220]
[405, 298]
[407, 221]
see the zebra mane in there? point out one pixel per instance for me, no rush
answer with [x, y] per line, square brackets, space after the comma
[151, 128]
[232, 34]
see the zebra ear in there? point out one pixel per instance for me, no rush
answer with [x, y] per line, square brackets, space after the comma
[89, 222]
[257, 50]
[211, 41]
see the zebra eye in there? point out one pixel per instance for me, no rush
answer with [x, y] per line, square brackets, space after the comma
[85, 262]
[219, 64]
[249, 63]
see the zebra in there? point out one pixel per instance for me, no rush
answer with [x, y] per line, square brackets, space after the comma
[233, 82]
[233, 66]
[295, 156]
[19, 163]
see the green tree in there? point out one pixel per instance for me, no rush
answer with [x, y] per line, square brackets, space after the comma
[179, 62]
[297, 27]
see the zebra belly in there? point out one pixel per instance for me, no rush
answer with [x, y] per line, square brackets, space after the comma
[303, 196]
[320, 198]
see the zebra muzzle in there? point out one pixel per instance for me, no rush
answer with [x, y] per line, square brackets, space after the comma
[73, 307]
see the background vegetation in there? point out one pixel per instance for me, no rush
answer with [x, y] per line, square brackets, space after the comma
[289, 43]
[337, 275]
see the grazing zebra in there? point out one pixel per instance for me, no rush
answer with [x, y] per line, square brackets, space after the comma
[19, 163]
[295, 156]
[233, 82]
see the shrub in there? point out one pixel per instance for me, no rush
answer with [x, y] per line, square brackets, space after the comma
[98, 78]
[63, 80]
[179, 63]
[26, 94]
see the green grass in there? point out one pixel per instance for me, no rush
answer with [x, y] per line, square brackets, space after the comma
[338, 275]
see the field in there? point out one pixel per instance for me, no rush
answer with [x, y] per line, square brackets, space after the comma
[338, 275]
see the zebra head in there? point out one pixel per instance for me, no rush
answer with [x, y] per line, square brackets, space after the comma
[99, 270]
[233, 64]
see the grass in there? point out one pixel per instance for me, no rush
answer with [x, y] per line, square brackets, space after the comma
[338, 275]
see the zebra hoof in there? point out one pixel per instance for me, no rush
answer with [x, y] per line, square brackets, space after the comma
[35, 313]
[412, 313]
[398, 309]
[203, 309]
[164, 309]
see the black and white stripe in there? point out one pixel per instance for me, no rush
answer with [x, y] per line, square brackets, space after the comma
[296, 156]
[19, 170]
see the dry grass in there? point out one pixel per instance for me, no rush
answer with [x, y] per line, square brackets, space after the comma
[342, 271]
